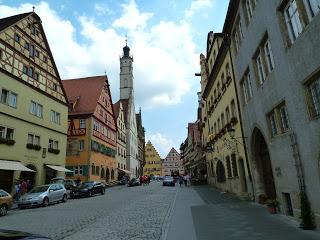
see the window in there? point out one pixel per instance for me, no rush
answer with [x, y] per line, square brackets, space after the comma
[273, 124]
[82, 123]
[313, 95]
[6, 133]
[78, 170]
[54, 87]
[36, 53]
[45, 59]
[219, 124]
[9, 98]
[36, 109]
[233, 109]
[284, 118]
[247, 87]
[17, 37]
[222, 120]
[292, 18]
[26, 46]
[53, 144]
[227, 115]
[33, 30]
[95, 126]
[269, 55]
[30, 71]
[25, 69]
[238, 34]
[36, 76]
[31, 51]
[313, 7]
[229, 172]
[33, 139]
[55, 117]
[260, 69]
[81, 145]
[249, 8]
[234, 165]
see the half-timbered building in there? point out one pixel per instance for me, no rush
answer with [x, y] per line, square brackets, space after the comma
[33, 106]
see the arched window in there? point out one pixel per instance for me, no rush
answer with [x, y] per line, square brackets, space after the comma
[211, 100]
[97, 170]
[107, 175]
[228, 114]
[215, 128]
[218, 87]
[234, 165]
[93, 169]
[222, 79]
[219, 124]
[215, 94]
[102, 173]
[228, 167]
[233, 109]
[222, 120]
[112, 174]
[228, 70]
[221, 174]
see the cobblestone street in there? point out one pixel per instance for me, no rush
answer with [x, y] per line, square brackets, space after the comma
[156, 212]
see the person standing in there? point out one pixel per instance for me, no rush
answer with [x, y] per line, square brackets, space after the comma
[180, 181]
[185, 180]
[17, 190]
[24, 187]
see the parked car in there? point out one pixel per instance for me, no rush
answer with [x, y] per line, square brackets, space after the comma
[13, 234]
[88, 189]
[168, 181]
[68, 183]
[43, 195]
[5, 202]
[134, 182]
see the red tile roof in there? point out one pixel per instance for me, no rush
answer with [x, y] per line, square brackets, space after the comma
[116, 109]
[84, 93]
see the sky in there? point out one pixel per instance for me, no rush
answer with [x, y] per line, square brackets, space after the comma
[166, 38]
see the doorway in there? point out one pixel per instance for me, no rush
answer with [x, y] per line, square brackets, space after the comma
[263, 164]
[31, 176]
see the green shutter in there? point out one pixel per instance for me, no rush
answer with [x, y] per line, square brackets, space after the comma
[69, 174]
[85, 170]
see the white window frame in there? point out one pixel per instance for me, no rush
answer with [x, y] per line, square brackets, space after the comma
[249, 9]
[36, 109]
[53, 144]
[33, 140]
[273, 124]
[314, 89]
[82, 123]
[260, 69]
[284, 118]
[11, 98]
[3, 134]
[313, 7]
[269, 55]
[55, 117]
[293, 21]
[78, 170]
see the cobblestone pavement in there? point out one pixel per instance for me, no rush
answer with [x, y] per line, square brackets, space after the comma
[156, 212]
[123, 213]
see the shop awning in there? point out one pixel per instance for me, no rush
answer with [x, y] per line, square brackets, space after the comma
[125, 171]
[14, 166]
[58, 168]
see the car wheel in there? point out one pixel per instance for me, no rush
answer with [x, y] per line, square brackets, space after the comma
[64, 198]
[3, 210]
[45, 202]
[103, 191]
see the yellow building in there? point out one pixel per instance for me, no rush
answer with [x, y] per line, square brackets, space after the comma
[33, 107]
[222, 129]
[153, 164]
[92, 130]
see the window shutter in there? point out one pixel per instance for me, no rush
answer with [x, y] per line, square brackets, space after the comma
[69, 174]
[84, 170]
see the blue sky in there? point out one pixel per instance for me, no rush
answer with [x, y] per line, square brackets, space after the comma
[166, 38]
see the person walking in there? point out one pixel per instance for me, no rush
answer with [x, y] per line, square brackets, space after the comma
[185, 180]
[17, 191]
[24, 187]
[180, 181]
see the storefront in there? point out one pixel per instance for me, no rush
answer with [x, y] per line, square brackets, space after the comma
[7, 168]
[52, 172]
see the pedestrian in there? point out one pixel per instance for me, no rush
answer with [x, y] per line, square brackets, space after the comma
[180, 181]
[185, 180]
[17, 190]
[24, 187]
[141, 180]
[29, 186]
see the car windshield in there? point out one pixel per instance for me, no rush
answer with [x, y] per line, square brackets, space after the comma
[87, 184]
[39, 189]
[57, 181]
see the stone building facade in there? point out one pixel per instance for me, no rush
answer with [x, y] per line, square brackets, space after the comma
[172, 164]
[277, 69]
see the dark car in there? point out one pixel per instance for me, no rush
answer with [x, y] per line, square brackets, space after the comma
[88, 189]
[134, 182]
[168, 181]
[12, 234]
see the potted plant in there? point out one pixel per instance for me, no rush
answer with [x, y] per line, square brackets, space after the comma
[272, 205]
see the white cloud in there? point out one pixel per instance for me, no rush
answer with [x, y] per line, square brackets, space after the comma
[102, 9]
[165, 58]
[162, 144]
[197, 5]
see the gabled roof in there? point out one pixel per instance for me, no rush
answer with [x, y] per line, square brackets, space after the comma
[8, 21]
[173, 150]
[84, 93]
[116, 109]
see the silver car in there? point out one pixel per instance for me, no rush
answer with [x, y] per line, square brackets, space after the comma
[43, 195]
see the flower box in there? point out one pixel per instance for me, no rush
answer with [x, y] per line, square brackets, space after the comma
[33, 146]
[9, 142]
[52, 150]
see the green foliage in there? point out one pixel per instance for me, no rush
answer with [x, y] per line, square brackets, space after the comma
[52, 150]
[307, 216]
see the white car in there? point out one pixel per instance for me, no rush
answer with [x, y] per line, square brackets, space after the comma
[43, 195]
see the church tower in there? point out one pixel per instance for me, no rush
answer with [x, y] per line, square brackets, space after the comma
[126, 74]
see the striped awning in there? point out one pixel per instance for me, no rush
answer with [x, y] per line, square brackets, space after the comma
[14, 166]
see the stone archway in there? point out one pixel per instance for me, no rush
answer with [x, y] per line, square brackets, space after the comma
[112, 174]
[263, 166]
[221, 172]
[107, 175]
